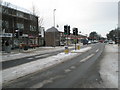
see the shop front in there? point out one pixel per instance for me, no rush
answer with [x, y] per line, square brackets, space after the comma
[33, 41]
[5, 37]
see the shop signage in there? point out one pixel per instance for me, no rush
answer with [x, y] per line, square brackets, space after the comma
[6, 35]
[25, 35]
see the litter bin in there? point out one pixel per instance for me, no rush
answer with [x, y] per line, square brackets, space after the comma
[66, 50]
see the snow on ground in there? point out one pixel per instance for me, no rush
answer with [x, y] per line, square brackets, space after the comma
[109, 67]
[30, 52]
[24, 69]
[34, 52]
[83, 50]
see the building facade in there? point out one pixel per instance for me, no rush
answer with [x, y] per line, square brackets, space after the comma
[52, 37]
[18, 26]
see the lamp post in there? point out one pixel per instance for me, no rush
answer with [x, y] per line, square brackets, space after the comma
[18, 38]
[54, 17]
[54, 23]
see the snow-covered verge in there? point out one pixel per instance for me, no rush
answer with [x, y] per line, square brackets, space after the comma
[109, 67]
[33, 52]
[24, 69]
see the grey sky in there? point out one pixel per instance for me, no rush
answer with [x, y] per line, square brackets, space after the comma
[87, 15]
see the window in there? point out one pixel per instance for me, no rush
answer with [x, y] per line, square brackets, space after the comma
[5, 24]
[20, 26]
[20, 14]
[32, 28]
[33, 18]
[5, 10]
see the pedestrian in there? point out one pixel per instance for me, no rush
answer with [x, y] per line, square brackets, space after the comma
[7, 47]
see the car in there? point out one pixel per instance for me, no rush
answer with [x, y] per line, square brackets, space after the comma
[111, 42]
[89, 42]
[106, 41]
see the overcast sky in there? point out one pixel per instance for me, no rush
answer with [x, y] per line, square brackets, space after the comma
[87, 15]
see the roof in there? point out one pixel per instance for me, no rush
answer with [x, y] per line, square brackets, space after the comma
[9, 5]
[52, 29]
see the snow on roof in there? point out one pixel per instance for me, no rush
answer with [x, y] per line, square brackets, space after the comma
[52, 29]
[7, 4]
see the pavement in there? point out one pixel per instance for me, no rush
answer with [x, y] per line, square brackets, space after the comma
[109, 66]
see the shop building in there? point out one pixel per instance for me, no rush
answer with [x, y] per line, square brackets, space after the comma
[18, 26]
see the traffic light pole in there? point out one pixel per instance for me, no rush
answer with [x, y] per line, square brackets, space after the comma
[67, 35]
[19, 39]
[75, 42]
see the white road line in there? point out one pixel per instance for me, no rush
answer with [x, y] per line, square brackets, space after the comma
[97, 50]
[67, 70]
[30, 58]
[41, 56]
[83, 60]
[72, 67]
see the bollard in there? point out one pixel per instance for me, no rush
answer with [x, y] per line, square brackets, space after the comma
[66, 50]
[78, 47]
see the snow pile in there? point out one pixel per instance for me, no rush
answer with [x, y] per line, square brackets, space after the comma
[109, 67]
[80, 51]
[24, 69]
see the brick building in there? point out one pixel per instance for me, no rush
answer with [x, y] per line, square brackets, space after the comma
[15, 19]
[52, 37]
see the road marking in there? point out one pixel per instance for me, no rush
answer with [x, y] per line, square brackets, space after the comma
[67, 70]
[41, 56]
[83, 60]
[30, 58]
[72, 67]
[41, 84]
[97, 50]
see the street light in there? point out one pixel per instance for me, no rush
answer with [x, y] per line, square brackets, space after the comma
[54, 17]
[54, 24]
[18, 38]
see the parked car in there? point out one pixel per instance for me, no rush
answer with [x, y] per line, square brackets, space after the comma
[85, 41]
[62, 44]
[89, 42]
[111, 42]
[106, 41]
[101, 41]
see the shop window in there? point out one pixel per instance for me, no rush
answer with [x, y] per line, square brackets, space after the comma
[20, 26]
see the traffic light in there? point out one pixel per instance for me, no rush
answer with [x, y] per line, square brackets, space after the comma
[75, 31]
[68, 30]
[65, 29]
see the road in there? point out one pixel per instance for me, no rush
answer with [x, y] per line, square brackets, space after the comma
[80, 72]
[20, 61]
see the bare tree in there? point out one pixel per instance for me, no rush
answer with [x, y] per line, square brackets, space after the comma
[36, 12]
